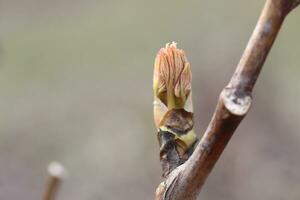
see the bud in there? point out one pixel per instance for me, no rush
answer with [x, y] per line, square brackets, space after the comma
[171, 81]
[172, 76]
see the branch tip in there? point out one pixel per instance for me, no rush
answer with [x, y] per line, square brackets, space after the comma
[57, 170]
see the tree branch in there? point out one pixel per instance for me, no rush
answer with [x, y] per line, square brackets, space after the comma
[186, 181]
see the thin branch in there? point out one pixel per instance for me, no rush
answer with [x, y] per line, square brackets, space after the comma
[56, 174]
[186, 181]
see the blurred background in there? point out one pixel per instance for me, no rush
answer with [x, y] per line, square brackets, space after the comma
[76, 87]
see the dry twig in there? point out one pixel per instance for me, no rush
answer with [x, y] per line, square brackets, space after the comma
[56, 174]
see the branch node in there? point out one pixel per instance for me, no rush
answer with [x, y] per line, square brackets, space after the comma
[237, 103]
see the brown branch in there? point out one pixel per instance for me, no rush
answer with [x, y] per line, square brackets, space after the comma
[56, 174]
[186, 181]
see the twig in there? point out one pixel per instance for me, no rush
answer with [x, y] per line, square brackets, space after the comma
[186, 181]
[56, 174]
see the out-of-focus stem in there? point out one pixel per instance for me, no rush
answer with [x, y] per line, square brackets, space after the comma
[56, 174]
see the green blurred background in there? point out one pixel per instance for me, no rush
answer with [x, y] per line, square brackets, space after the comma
[76, 87]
